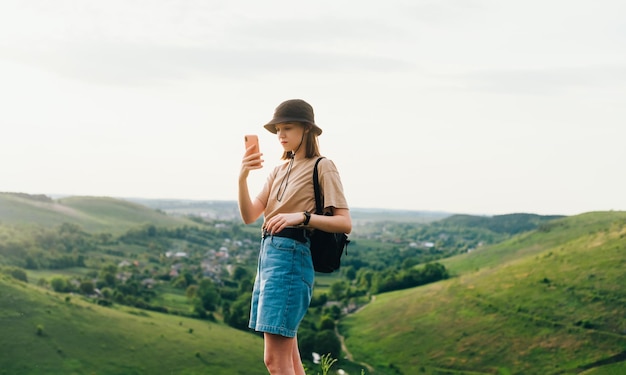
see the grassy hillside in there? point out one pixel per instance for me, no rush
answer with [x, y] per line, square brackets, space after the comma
[546, 302]
[94, 214]
[549, 235]
[43, 333]
[507, 224]
[220, 210]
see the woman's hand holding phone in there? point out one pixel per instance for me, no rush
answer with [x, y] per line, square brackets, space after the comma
[252, 157]
[252, 144]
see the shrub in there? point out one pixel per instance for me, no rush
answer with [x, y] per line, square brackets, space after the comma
[87, 287]
[19, 274]
[59, 284]
[327, 342]
[327, 323]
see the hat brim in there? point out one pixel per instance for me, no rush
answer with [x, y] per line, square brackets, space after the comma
[271, 126]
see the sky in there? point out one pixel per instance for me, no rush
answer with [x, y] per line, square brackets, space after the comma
[481, 107]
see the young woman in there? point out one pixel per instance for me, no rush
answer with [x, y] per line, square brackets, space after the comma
[284, 280]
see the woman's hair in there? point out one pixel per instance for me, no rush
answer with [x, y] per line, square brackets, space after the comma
[310, 143]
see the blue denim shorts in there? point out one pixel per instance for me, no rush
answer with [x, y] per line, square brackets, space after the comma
[283, 286]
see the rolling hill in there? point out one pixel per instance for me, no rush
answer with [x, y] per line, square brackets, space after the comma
[550, 301]
[93, 214]
[545, 301]
[48, 333]
[503, 224]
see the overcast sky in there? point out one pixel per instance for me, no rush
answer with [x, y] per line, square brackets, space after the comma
[480, 107]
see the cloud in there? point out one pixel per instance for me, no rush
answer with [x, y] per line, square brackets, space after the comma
[140, 64]
[546, 80]
[144, 43]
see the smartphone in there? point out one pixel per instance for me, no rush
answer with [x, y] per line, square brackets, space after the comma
[251, 140]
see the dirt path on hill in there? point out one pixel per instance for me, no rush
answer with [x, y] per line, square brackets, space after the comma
[344, 348]
[620, 357]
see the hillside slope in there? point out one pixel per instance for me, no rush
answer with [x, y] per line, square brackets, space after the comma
[546, 302]
[48, 333]
[507, 224]
[93, 214]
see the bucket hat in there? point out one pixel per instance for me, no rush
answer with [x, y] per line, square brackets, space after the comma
[293, 110]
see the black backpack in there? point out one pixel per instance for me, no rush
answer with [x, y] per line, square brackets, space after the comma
[326, 248]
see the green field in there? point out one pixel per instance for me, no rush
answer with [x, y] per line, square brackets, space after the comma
[94, 214]
[48, 333]
[550, 302]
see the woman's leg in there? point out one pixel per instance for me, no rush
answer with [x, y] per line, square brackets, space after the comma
[297, 361]
[280, 355]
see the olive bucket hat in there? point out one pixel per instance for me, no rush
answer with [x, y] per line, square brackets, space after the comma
[293, 110]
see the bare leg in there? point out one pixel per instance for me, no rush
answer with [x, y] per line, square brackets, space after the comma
[297, 361]
[280, 354]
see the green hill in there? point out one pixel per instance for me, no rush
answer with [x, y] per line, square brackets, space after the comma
[507, 224]
[48, 333]
[93, 214]
[550, 301]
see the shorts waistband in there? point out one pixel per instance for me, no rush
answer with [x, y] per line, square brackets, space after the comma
[298, 234]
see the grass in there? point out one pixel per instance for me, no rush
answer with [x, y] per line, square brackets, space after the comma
[324, 281]
[49, 333]
[173, 299]
[551, 235]
[43, 333]
[35, 275]
[553, 305]
[93, 214]
[614, 369]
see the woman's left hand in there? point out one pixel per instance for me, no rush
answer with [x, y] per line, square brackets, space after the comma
[281, 221]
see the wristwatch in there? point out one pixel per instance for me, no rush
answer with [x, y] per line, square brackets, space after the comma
[307, 218]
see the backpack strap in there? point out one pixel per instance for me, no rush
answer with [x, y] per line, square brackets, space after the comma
[319, 206]
[319, 209]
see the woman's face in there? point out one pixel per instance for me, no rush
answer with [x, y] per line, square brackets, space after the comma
[289, 135]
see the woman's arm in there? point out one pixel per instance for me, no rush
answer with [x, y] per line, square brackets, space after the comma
[249, 209]
[340, 222]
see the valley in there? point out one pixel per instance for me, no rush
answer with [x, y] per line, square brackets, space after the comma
[88, 279]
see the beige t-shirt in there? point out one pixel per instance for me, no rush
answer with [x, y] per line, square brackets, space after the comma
[299, 195]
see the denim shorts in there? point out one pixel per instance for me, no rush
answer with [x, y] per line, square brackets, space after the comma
[283, 286]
